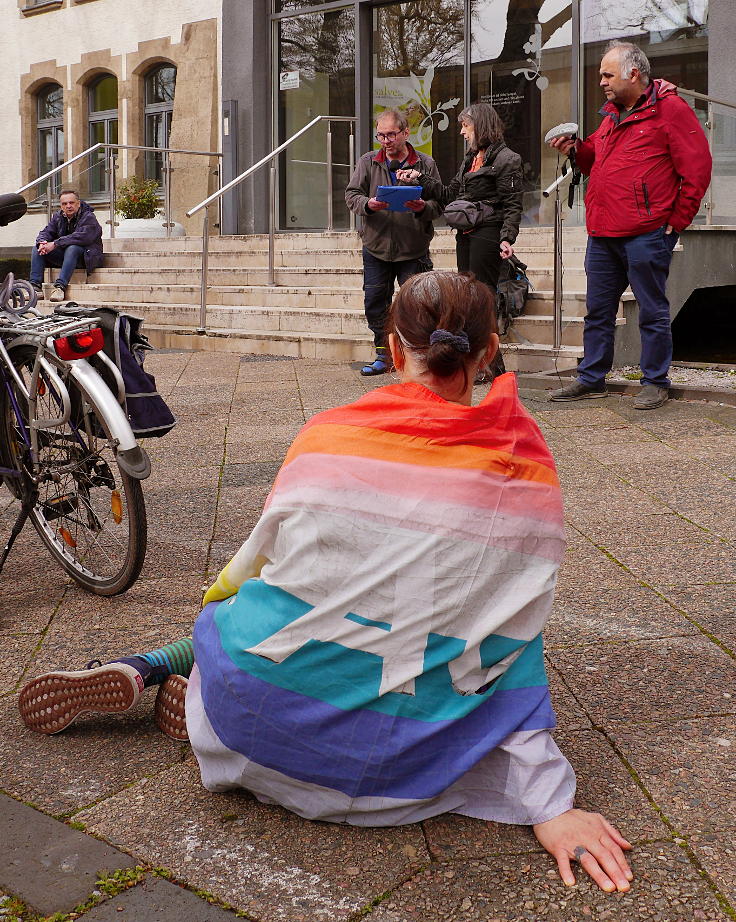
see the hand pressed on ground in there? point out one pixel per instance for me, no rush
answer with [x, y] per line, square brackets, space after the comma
[590, 839]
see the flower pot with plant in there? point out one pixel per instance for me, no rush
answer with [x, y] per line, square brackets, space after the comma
[137, 202]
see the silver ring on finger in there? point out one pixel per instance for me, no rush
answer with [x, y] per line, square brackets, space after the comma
[579, 851]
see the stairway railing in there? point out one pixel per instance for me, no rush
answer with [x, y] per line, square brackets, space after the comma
[110, 170]
[217, 197]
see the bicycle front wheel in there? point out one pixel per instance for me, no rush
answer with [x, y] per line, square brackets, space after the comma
[88, 512]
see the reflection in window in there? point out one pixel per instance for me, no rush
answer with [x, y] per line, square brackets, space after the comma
[674, 36]
[418, 67]
[160, 86]
[316, 63]
[103, 127]
[521, 63]
[50, 138]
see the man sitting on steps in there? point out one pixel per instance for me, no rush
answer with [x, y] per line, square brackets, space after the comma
[71, 240]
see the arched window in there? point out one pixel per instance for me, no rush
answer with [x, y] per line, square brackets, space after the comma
[158, 106]
[50, 127]
[103, 127]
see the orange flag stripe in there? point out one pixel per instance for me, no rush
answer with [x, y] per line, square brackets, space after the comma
[335, 439]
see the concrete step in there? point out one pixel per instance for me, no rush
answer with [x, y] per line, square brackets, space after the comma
[285, 276]
[539, 329]
[443, 256]
[311, 241]
[316, 297]
[348, 322]
[517, 356]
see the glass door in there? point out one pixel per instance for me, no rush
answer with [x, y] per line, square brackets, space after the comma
[316, 76]
[418, 56]
[521, 62]
[673, 36]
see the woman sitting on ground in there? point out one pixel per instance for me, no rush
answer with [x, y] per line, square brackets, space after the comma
[373, 653]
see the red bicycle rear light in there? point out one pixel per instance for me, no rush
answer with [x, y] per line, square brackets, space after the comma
[79, 345]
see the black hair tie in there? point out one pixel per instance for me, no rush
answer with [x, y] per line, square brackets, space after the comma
[458, 341]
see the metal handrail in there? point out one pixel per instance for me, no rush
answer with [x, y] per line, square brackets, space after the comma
[718, 102]
[110, 170]
[217, 196]
[710, 131]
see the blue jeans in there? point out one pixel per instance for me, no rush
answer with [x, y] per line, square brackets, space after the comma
[69, 258]
[378, 287]
[612, 263]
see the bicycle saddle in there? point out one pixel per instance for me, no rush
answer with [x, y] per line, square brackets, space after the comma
[12, 207]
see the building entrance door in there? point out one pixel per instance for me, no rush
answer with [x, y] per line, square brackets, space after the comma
[418, 68]
[521, 62]
[316, 76]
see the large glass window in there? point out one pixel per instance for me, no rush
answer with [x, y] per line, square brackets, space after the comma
[160, 85]
[521, 63]
[418, 68]
[50, 127]
[103, 127]
[672, 34]
[316, 76]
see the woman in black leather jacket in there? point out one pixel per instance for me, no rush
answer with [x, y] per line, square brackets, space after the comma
[490, 173]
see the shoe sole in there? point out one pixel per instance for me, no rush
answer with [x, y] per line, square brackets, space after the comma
[169, 711]
[50, 703]
[591, 395]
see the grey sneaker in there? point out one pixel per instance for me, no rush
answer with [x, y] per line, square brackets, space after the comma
[58, 294]
[650, 397]
[578, 391]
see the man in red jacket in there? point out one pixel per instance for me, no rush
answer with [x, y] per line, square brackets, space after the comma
[649, 167]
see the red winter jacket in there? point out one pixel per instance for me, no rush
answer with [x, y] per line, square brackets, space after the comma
[650, 170]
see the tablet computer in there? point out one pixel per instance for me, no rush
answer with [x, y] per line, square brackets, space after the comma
[396, 196]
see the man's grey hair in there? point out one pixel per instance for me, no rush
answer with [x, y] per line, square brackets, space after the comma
[630, 56]
[70, 192]
[396, 116]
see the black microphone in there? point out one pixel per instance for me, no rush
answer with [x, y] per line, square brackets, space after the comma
[394, 165]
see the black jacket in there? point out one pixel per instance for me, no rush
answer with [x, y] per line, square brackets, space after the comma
[497, 183]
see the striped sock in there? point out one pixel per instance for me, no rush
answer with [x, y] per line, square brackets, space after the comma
[172, 659]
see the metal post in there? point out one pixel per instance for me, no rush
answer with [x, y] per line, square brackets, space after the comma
[218, 171]
[351, 159]
[203, 277]
[271, 224]
[711, 136]
[49, 215]
[557, 343]
[329, 176]
[113, 193]
[167, 192]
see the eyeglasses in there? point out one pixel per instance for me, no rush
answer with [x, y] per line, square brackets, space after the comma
[387, 135]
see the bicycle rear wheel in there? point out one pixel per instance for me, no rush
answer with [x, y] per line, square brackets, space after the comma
[89, 512]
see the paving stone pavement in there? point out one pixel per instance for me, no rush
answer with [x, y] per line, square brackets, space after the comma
[110, 818]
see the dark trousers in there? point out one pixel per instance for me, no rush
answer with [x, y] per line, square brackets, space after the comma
[69, 258]
[379, 277]
[479, 252]
[611, 264]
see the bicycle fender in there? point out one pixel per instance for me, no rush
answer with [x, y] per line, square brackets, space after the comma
[130, 456]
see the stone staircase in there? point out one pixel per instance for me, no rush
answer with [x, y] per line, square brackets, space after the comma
[315, 309]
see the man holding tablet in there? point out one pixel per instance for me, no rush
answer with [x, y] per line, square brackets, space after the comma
[396, 233]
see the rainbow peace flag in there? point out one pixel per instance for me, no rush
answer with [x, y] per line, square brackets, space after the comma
[379, 633]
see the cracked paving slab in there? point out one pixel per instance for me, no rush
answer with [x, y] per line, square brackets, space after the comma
[261, 859]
